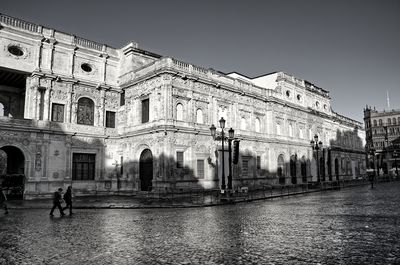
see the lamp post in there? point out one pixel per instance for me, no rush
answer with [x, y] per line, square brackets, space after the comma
[231, 134]
[316, 146]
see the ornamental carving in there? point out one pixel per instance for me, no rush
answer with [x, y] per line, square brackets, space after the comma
[21, 52]
[83, 91]
[112, 100]
[57, 94]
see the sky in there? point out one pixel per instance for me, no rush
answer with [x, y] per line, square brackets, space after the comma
[348, 47]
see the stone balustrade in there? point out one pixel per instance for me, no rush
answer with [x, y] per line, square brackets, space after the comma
[28, 26]
[19, 23]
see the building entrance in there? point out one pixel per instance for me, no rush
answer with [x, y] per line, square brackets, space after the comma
[146, 170]
[12, 168]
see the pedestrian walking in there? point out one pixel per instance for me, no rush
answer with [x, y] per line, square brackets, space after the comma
[57, 199]
[3, 199]
[68, 199]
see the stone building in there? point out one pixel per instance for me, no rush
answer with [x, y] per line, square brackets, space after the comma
[382, 130]
[108, 120]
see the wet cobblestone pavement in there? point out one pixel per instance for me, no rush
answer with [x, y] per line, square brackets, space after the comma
[350, 226]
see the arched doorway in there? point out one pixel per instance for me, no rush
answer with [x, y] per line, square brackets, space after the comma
[322, 168]
[337, 168]
[146, 170]
[280, 173]
[303, 169]
[12, 168]
[293, 171]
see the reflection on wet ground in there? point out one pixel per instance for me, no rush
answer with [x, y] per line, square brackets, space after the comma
[351, 226]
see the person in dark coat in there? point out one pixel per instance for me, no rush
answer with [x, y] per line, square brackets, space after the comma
[57, 202]
[3, 200]
[68, 199]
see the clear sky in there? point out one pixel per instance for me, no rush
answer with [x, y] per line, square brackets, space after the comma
[349, 47]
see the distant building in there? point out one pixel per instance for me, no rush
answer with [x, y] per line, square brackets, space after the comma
[126, 120]
[382, 136]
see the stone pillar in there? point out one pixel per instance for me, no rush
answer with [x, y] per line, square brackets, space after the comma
[101, 108]
[46, 107]
[39, 56]
[68, 104]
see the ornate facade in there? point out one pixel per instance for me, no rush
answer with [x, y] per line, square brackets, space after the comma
[383, 139]
[126, 120]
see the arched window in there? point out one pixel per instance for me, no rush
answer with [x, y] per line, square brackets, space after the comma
[301, 136]
[85, 113]
[257, 125]
[380, 122]
[179, 112]
[199, 116]
[394, 121]
[375, 124]
[389, 121]
[280, 169]
[1, 109]
[278, 128]
[243, 124]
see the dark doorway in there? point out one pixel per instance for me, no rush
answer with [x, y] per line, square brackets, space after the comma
[12, 173]
[303, 169]
[146, 170]
[322, 168]
[280, 172]
[337, 169]
[293, 171]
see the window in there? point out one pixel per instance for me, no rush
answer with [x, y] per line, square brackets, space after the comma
[86, 67]
[290, 130]
[257, 125]
[179, 159]
[200, 168]
[389, 121]
[122, 98]
[394, 121]
[179, 112]
[245, 166]
[15, 50]
[258, 162]
[243, 124]
[278, 128]
[110, 119]
[83, 166]
[57, 112]
[199, 116]
[287, 93]
[301, 136]
[380, 122]
[85, 111]
[375, 124]
[145, 110]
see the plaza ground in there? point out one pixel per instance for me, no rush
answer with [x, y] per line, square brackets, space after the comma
[348, 226]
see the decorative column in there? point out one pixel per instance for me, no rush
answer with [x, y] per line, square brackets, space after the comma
[101, 108]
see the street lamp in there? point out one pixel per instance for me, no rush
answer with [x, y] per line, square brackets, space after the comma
[316, 146]
[231, 134]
